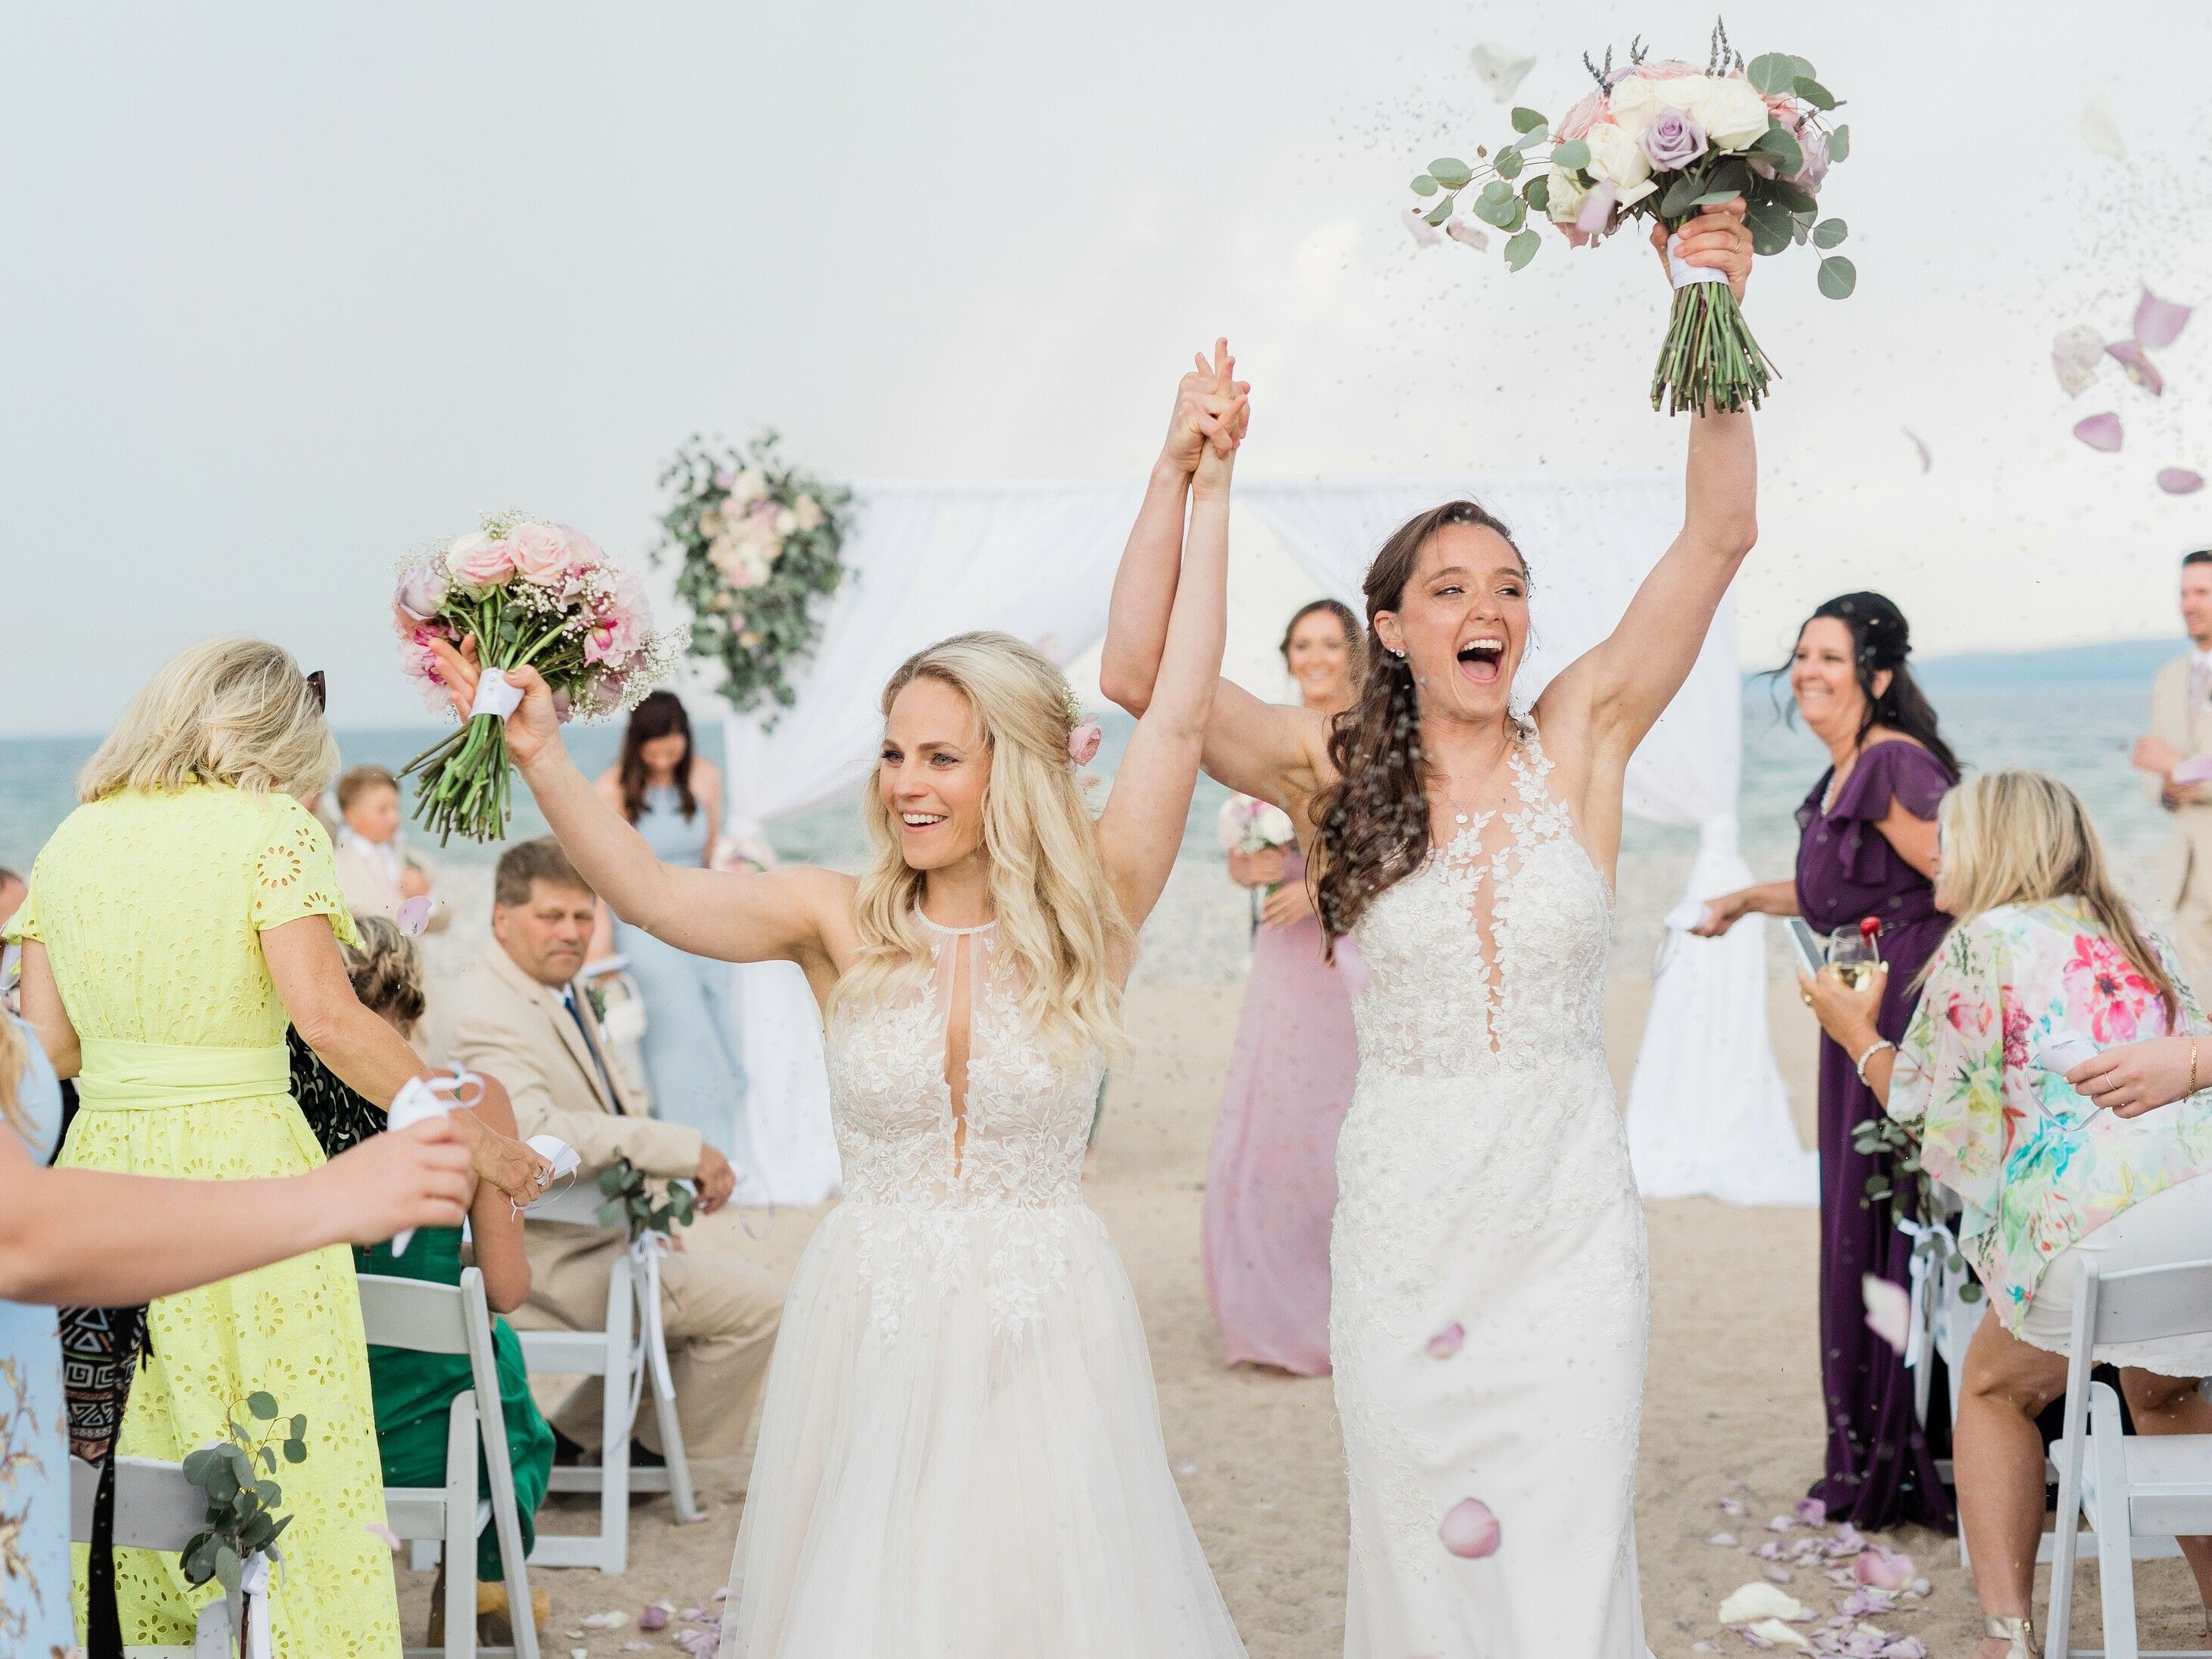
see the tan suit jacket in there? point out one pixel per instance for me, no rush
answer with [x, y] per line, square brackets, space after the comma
[2188, 861]
[496, 1018]
[370, 892]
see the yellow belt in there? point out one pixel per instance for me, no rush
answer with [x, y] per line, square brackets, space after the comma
[115, 1076]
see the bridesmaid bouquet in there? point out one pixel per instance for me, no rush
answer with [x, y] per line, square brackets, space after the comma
[531, 593]
[1664, 139]
[1250, 826]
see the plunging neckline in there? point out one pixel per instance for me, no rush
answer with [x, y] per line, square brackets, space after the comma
[956, 1067]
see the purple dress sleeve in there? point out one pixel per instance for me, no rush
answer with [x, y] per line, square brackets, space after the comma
[1892, 773]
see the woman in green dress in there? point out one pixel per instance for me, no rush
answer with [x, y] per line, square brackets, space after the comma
[176, 922]
[415, 1392]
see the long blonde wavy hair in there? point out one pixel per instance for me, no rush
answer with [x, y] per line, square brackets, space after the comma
[1059, 925]
[2021, 837]
[236, 711]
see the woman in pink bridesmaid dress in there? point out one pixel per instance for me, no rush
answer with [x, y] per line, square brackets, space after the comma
[1271, 1182]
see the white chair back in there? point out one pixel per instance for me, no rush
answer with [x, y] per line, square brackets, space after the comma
[156, 1509]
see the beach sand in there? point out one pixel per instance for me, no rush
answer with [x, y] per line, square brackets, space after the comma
[1732, 1395]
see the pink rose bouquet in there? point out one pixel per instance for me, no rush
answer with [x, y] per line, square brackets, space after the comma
[532, 593]
[1667, 140]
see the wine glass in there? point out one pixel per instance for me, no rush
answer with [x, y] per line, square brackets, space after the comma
[1853, 955]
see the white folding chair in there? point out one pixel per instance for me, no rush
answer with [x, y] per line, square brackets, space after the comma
[157, 1509]
[454, 1318]
[629, 1355]
[2133, 1489]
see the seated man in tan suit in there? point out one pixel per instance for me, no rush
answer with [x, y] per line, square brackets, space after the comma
[521, 1015]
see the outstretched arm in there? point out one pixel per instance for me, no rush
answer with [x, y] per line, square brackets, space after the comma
[1141, 830]
[1630, 678]
[779, 915]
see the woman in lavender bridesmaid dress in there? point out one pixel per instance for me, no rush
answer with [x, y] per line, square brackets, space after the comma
[1271, 1182]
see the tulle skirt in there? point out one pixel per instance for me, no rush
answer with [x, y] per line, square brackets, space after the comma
[960, 1456]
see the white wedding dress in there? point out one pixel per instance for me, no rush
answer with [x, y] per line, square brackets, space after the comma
[1489, 1297]
[960, 1454]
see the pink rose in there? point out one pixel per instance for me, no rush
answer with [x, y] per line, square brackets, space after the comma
[541, 554]
[613, 640]
[582, 548]
[1577, 121]
[1083, 742]
[476, 561]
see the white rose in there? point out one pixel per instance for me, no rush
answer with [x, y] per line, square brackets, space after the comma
[1566, 197]
[1633, 102]
[1615, 157]
[1630, 195]
[748, 487]
[786, 522]
[1733, 114]
[808, 512]
[461, 546]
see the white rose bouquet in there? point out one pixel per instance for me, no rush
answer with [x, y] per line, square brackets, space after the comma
[529, 593]
[1666, 139]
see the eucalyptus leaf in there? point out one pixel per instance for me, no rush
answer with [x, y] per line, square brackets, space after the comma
[1779, 146]
[1533, 136]
[1508, 162]
[1523, 248]
[611, 1179]
[1814, 94]
[1804, 66]
[1797, 200]
[1772, 71]
[1715, 198]
[221, 1482]
[610, 1215]
[1830, 233]
[229, 1567]
[1840, 143]
[1676, 202]
[269, 1494]
[1770, 225]
[268, 1456]
[1439, 213]
[1497, 191]
[198, 1559]
[1537, 193]
[1425, 185]
[1496, 212]
[1572, 153]
[1527, 120]
[1838, 277]
[195, 1465]
[295, 1451]
[1800, 232]
[298, 1425]
[1450, 172]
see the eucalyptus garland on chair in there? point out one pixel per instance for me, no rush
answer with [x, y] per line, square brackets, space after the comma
[758, 541]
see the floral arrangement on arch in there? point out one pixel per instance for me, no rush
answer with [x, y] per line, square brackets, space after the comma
[758, 541]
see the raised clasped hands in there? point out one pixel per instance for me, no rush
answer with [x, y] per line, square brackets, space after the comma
[532, 729]
[1212, 411]
[1716, 237]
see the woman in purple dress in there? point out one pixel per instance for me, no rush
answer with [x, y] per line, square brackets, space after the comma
[1271, 1182]
[1866, 844]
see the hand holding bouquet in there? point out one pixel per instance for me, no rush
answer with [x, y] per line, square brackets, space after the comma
[1666, 140]
[518, 594]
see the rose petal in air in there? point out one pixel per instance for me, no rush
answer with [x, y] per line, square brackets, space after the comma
[1597, 209]
[1425, 234]
[2180, 481]
[415, 915]
[2099, 132]
[1888, 1307]
[1501, 69]
[2075, 356]
[2099, 432]
[1446, 1342]
[1470, 1531]
[378, 1529]
[2144, 372]
[2159, 322]
[1459, 231]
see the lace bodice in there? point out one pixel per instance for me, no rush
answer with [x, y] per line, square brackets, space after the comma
[1020, 1136]
[1445, 997]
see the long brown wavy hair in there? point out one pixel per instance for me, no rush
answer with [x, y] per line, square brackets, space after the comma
[660, 715]
[1373, 822]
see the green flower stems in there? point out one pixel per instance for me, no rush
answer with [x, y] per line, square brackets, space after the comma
[1710, 359]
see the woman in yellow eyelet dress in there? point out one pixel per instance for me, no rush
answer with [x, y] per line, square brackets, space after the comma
[150, 905]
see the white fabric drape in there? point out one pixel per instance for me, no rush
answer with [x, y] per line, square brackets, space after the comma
[923, 560]
[1707, 1112]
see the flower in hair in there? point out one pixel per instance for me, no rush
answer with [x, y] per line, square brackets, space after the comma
[1083, 742]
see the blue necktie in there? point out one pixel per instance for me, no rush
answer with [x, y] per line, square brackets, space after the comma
[590, 1047]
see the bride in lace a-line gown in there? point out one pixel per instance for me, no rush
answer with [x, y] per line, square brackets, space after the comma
[960, 1454]
[1488, 1290]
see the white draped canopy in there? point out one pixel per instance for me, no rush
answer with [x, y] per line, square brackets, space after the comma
[1706, 1113]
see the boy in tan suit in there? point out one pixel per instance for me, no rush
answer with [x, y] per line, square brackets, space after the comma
[521, 1015]
[374, 874]
[2180, 731]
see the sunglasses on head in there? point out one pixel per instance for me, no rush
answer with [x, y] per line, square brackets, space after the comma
[316, 685]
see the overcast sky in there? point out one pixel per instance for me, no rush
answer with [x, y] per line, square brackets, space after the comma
[291, 290]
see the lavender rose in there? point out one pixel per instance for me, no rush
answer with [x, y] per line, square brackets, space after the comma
[1673, 141]
[1815, 143]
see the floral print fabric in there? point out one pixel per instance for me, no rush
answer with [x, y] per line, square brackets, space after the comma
[2036, 1164]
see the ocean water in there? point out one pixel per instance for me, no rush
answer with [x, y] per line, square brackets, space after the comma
[2075, 714]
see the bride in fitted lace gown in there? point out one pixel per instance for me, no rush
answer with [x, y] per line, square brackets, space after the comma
[1488, 1297]
[960, 1453]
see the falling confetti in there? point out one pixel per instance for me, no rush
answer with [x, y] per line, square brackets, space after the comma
[1500, 68]
[2099, 432]
[1470, 1531]
[1425, 234]
[415, 915]
[1888, 1307]
[2159, 322]
[378, 1529]
[1920, 445]
[2076, 355]
[1461, 232]
[2144, 372]
[1446, 1342]
[2180, 481]
[2099, 132]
